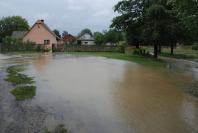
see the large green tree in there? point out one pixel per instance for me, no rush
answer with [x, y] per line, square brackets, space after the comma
[187, 11]
[10, 24]
[130, 20]
[153, 22]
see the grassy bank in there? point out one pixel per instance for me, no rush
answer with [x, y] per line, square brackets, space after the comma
[182, 52]
[121, 56]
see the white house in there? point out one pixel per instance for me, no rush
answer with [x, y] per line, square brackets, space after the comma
[86, 39]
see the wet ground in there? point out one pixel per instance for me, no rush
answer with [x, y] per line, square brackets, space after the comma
[99, 95]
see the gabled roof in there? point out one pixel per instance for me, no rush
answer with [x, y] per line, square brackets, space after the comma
[18, 34]
[45, 26]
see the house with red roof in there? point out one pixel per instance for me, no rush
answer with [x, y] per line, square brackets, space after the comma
[41, 34]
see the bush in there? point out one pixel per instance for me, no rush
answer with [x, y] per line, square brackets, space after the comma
[195, 47]
[141, 51]
[14, 45]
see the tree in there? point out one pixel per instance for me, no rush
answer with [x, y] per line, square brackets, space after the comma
[130, 20]
[64, 33]
[153, 22]
[88, 31]
[187, 11]
[57, 33]
[99, 38]
[10, 24]
[112, 36]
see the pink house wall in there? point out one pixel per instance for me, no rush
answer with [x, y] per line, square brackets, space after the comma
[38, 34]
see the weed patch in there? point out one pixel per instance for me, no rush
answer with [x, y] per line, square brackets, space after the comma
[24, 92]
[58, 129]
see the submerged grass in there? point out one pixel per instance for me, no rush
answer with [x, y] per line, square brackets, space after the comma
[14, 69]
[24, 88]
[18, 79]
[58, 129]
[24, 92]
[122, 56]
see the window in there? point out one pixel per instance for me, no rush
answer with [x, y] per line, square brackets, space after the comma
[46, 42]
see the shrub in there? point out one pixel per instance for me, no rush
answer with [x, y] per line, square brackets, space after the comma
[14, 44]
[141, 51]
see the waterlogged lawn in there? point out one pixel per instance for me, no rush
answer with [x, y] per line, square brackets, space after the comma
[122, 56]
[24, 92]
[23, 84]
[17, 79]
[183, 52]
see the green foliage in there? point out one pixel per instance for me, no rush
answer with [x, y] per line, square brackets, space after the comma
[195, 47]
[153, 22]
[99, 38]
[111, 36]
[24, 92]
[141, 52]
[57, 33]
[13, 44]
[88, 31]
[187, 11]
[10, 24]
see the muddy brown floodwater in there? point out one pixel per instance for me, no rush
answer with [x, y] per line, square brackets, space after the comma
[98, 95]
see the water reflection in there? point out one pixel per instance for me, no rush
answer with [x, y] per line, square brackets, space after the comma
[95, 94]
[151, 101]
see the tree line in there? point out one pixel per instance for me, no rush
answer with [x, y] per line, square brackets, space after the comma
[157, 22]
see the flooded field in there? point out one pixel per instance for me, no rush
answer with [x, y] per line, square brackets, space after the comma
[98, 95]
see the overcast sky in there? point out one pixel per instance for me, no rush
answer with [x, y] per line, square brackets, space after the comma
[69, 15]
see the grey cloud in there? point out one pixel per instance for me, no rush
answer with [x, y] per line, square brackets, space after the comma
[70, 15]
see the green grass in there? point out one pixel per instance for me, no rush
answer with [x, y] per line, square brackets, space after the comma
[182, 52]
[24, 92]
[121, 56]
[24, 89]
[17, 79]
[14, 69]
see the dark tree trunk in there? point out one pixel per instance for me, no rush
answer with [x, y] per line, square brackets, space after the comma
[172, 49]
[137, 46]
[155, 51]
[160, 49]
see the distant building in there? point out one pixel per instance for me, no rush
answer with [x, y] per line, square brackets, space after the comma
[69, 39]
[41, 34]
[86, 39]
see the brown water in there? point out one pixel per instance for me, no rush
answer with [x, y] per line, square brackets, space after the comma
[99, 95]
